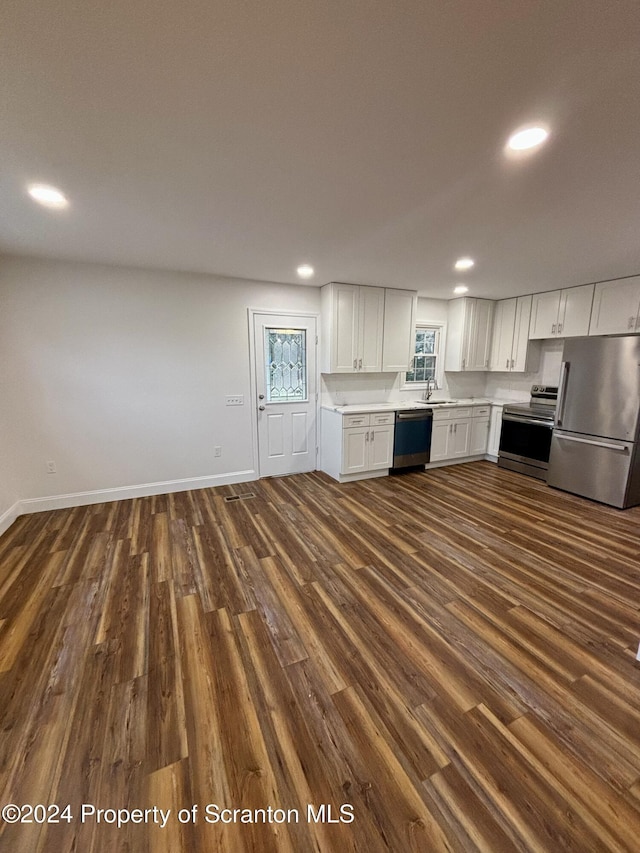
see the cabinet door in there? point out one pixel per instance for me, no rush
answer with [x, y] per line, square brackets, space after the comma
[399, 329]
[371, 321]
[355, 450]
[504, 319]
[615, 307]
[460, 440]
[440, 433]
[521, 334]
[575, 311]
[479, 436]
[479, 340]
[544, 315]
[381, 447]
[494, 430]
[344, 328]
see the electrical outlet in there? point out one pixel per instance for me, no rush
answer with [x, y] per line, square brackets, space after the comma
[237, 400]
[51, 468]
[217, 450]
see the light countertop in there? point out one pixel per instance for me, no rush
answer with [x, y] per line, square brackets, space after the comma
[404, 405]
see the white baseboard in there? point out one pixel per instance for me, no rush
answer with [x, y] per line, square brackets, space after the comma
[121, 493]
[7, 518]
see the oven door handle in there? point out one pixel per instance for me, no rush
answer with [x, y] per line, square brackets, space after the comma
[534, 421]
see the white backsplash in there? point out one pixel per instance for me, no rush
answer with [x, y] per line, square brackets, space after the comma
[341, 389]
[516, 386]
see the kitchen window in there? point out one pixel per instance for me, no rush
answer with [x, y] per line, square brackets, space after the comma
[427, 356]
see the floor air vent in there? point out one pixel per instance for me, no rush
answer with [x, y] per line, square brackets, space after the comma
[247, 496]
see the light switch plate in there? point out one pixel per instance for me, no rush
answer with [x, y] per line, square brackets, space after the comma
[238, 400]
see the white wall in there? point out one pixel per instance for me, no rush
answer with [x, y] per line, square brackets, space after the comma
[119, 376]
[8, 471]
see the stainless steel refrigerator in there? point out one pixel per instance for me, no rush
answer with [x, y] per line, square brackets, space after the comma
[594, 449]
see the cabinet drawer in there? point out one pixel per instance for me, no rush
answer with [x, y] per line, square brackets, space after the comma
[465, 412]
[355, 421]
[380, 418]
[481, 411]
[442, 414]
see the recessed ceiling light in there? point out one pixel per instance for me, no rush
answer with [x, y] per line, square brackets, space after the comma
[464, 263]
[48, 196]
[460, 288]
[305, 271]
[527, 137]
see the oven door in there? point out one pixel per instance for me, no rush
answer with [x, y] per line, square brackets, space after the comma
[525, 439]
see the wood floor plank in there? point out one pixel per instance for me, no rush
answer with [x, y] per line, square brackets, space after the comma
[448, 655]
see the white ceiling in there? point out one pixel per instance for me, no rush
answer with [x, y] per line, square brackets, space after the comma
[364, 137]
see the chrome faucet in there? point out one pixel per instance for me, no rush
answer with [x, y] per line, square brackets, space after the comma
[431, 387]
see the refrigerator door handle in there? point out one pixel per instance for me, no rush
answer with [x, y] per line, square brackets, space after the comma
[564, 375]
[606, 444]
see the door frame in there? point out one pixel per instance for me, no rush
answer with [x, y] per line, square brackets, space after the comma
[251, 312]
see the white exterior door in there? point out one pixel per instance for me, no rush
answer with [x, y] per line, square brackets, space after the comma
[285, 370]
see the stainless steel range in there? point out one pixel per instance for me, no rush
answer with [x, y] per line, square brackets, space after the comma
[525, 439]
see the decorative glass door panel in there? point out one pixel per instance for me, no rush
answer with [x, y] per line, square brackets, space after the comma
[285, 353]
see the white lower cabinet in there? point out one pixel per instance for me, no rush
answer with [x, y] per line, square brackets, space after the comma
[356, 446]
[460, 441]
[440, 440]
[479, 436]
[495, 428]
[458, 433]
[368, 448]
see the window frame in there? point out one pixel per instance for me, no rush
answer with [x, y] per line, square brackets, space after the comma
[439, 354]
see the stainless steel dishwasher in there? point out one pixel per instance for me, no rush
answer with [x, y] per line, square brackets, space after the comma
[412, 439]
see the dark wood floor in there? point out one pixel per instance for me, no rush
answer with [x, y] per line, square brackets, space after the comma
[451, 653]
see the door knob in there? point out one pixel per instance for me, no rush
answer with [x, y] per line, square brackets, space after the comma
[261, 408]
[260, 396]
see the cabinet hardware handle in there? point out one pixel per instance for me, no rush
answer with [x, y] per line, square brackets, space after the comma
[512, 363]
[367, 436]
[632, 322]
[360, 365]
[355, 363]
[455, 427]
[507, 364]
[373, 435]
[559, 328]
[553, 329]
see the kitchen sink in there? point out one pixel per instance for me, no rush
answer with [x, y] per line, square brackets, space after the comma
[438, 402]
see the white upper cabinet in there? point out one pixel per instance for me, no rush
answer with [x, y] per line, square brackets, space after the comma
[468, 334]
[352, 322]
[504, 321]
[399, 329]
[561, 313]
[510, 348]
[366, 329]
[616, 307]
[371, 319]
